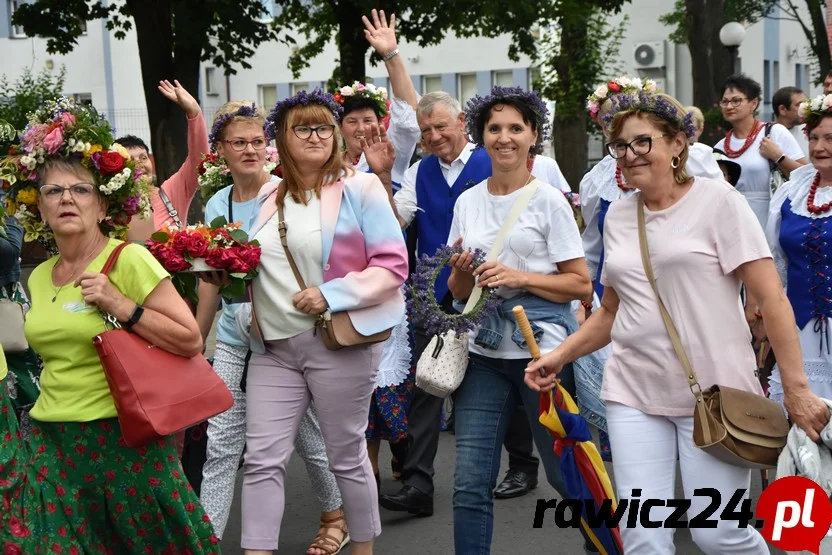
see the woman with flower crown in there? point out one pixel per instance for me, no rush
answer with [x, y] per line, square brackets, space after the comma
[75, 487]
[540, 267]
[605, 183]
[703, 242]
[239, 140]
[798, 220]
[330, 244]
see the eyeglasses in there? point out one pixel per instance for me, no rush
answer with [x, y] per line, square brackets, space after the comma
[640, 146]
[304, 132]
[79, 191]
[240, 145]
[735, 102]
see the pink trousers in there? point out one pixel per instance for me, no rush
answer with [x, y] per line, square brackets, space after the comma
[279, 387]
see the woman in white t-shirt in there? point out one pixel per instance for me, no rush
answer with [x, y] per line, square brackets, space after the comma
[541, 263]
[753, 146]
[703, 242]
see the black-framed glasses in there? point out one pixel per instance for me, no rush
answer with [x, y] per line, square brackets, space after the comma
[240, 145]
[735, 102]
[79, 191]
[303, 132]
[640, 146]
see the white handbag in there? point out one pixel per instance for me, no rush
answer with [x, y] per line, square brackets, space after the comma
[12, 337]
[443, 363]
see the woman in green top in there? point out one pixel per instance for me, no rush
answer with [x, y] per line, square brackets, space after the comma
[75, 487]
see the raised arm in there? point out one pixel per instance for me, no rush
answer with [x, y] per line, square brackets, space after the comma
[181, 186]
[381, 35]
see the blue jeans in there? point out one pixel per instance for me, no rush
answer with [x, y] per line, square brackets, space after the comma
[483, 407]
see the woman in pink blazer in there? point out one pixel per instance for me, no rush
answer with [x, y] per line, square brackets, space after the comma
[349, 250]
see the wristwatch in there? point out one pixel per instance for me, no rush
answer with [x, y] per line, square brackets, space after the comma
[390, 55]
[134, 317]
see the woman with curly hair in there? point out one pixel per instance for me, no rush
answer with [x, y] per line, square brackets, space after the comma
[541, 267]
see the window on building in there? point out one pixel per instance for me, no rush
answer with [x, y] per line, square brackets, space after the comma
[211, 81]
[467, 87]
[534, 75]
[503, 78]
[82, 98]
[801, 76]
[767, 84]
[431, 83]
[295, 88]
[16, 30]
[268, 96]
[775, 70]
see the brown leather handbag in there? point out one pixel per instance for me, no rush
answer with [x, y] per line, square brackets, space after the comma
[735, 426]
[336, 328]
[156, 393]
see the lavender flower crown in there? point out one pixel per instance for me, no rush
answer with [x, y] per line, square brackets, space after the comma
[656, 104]
[478, 109]
[303, 98]
[223, 119]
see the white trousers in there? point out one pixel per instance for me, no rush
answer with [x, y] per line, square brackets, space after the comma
[644, 449]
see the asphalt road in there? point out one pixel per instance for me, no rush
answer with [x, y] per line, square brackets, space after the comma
[405, 535]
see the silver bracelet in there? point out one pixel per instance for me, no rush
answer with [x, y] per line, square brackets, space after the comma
[390, 55]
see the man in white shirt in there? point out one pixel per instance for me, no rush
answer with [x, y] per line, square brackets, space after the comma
[785, 103]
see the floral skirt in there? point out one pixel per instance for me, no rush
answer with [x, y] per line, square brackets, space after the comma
[77, 488]
[388, 411]
[25, 367]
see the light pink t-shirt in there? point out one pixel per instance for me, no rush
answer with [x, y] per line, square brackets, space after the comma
[695, 246]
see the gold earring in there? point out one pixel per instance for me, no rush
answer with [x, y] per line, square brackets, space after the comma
[674, 162]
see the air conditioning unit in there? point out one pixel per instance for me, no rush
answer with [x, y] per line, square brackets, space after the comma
[647, 55]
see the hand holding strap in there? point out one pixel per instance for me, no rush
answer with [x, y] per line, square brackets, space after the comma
[514, 214]
[690, 375]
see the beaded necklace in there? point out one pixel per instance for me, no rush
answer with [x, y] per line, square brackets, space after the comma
[810, 202]
[619, 179]
[730, 152]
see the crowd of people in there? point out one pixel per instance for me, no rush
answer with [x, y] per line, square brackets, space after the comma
[736, 236]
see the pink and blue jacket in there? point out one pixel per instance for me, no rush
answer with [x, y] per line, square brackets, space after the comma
[364, 254]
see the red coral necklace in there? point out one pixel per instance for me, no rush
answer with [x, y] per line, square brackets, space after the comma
[810, 202]
[619, 179]
[730, 152]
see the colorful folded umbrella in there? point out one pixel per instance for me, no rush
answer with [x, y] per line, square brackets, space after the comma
[584, 474]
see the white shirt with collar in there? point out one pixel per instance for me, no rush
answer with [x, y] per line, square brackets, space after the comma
[405, 199]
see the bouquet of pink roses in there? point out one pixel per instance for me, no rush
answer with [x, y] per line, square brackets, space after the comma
[218, 246]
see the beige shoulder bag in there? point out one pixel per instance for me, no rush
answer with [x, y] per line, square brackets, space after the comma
[735, 426]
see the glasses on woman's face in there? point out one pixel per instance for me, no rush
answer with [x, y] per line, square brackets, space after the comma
[640, 146]
[79, 191]
[303, 132]
[240, 145]
[735, 102]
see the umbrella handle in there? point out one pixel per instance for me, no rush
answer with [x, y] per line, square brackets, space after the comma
[526, 330]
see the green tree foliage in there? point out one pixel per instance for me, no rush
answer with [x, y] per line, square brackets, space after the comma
[745, 11]
[579, 52]
[24, 95]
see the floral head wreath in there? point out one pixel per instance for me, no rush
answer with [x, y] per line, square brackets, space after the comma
[656, 104]
[623, 84]
[303, 98]
[811, 111]
[360, 90]
[65, 129]
[478, 108]
[223, 119]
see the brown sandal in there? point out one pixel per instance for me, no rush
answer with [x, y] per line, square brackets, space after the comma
[328, 543]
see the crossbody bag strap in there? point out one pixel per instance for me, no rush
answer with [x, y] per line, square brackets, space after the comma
[172, 212]
[690, 375]
[514, 214]
[281, 228]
